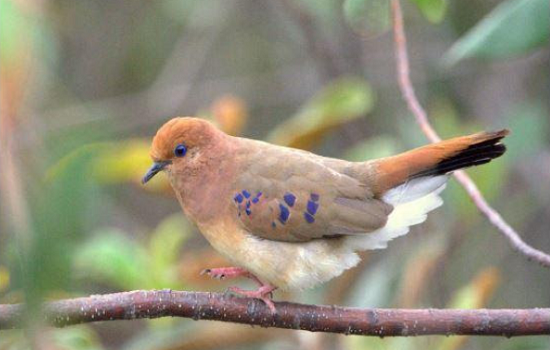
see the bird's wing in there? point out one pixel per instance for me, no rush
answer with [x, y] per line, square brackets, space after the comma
[294, 196]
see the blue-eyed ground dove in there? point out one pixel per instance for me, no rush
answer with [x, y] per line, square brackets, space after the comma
[292, 219]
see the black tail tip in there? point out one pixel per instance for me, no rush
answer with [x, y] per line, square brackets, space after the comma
[486, 149]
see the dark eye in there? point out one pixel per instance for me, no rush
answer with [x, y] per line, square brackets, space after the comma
[180, 150]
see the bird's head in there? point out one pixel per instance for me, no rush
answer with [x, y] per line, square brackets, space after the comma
[181, 145]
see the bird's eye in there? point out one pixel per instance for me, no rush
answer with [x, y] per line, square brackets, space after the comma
[180, 150]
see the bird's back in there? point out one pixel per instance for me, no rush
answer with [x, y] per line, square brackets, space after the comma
[291, 195]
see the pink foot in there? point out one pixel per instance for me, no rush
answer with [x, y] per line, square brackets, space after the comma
[230, 272]
[263, 293]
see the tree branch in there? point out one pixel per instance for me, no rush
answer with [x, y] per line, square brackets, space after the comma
[407, 90]
[330, 319]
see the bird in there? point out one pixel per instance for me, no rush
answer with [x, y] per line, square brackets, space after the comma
[292, 219]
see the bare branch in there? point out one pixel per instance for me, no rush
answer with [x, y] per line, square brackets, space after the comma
[315, 318]
[407, 90]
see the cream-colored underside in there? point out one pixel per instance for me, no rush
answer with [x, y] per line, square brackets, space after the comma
[303, 265]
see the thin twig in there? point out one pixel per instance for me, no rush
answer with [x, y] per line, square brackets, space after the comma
[409, 95]
[315, 318]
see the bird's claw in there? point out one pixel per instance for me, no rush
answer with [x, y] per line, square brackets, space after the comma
[264, 293]
[213, 273]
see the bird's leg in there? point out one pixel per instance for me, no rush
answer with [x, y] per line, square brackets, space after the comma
[231, 272]
[264, 293]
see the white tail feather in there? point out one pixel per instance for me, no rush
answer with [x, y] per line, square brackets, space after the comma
[412, 202]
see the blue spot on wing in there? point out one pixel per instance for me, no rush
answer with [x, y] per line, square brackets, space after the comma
[238, 198]
[256, 198]
[248, 211]
[312, 207]
[314, 197]
[247, 204]
[284, 214]
[309, 218]
[290, 199]
[246, 194]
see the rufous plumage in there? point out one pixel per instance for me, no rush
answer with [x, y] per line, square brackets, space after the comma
[288, 218]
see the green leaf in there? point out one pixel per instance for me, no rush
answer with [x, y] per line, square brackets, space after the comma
[369, 17]
[514, 27]
[164, 247]
[61, 212]
[433, 10]
[114, 258]
[339, 102]
[124, 161]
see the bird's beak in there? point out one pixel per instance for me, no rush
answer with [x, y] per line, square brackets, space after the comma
[157, 166]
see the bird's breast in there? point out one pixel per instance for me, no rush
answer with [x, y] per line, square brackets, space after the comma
[283, 264]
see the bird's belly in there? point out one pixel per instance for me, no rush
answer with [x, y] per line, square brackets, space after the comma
[283, 264]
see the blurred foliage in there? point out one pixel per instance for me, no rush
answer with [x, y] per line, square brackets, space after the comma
[114, 258]
[372, 17]
[476, 294]
[4, 278]
[340, 102]
[73, 338]
[418, 274]
[230, 114]
[86, 84]
[433, 10]
[529, 121]
[368, 17]
[126, 161]
[472, 296]
[375, 147]
[514, 27]
[59, 214]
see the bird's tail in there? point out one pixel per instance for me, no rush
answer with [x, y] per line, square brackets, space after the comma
[412, 181]
[439, 159]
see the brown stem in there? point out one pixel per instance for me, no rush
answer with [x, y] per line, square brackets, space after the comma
[315, 318]
[407, 90]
